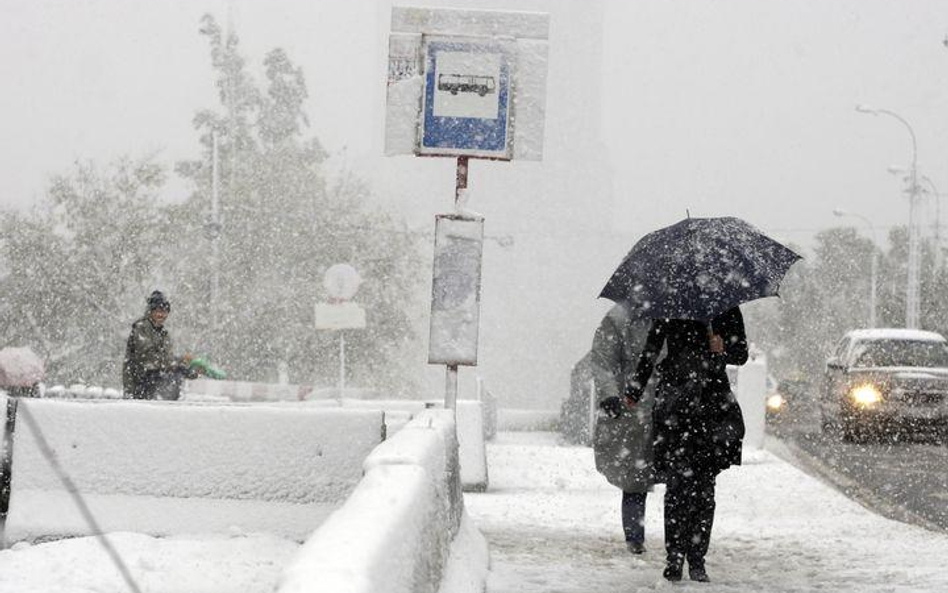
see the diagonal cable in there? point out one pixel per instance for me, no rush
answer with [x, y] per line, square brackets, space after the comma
[73, 491]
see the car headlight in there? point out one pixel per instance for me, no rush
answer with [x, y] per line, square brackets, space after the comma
[866, 395]
[775, 402]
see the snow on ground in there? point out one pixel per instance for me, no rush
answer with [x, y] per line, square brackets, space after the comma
[553, 526]
[180, 564]
[38, 514]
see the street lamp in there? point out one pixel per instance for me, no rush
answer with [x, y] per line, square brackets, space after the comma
[937, 195]
[874, 265]
[911, 285]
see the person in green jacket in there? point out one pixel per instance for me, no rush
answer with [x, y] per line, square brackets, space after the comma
[150, 369]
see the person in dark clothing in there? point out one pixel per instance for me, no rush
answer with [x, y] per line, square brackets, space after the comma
[698, 426]
[150, 370]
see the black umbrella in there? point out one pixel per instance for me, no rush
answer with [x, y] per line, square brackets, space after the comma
[698, 269]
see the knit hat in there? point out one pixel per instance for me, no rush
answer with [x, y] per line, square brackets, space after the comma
[157, 300]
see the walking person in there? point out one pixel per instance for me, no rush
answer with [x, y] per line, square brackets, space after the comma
[150, 370]
[623, 435]
[698, 426]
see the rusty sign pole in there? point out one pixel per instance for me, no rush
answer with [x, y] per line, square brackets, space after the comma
[451, 370]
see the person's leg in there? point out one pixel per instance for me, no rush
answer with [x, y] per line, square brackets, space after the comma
[676, 521]
[702, 520]
[633, 520]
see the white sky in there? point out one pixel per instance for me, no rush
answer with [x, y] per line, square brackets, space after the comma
[723, 107]
[748, 106]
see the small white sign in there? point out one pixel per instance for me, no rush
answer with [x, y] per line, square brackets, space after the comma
[456, 290]
[341, 282]
[338, 316]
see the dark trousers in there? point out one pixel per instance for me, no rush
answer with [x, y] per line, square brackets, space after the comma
[633, 516]
[160, 385]
[689, 515]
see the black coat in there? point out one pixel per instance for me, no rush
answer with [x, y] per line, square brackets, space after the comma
[698, 422]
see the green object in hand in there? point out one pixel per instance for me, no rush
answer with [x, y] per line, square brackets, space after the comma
[207, 368]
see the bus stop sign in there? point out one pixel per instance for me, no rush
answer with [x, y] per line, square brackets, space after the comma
[466, 97]
[466, 83]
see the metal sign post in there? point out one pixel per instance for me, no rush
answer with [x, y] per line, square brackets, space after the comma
[341, 282]
[342, 363]
[457, 82]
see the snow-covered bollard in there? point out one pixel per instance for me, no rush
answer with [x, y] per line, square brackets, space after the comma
[473, 450]
[752, 395]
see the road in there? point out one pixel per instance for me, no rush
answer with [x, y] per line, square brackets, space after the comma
[903, 479]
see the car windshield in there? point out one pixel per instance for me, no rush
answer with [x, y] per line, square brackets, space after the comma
[900, 353]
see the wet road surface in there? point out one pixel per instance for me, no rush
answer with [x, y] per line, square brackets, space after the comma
[903, 477]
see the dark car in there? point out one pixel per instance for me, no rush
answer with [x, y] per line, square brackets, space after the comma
[886, 380]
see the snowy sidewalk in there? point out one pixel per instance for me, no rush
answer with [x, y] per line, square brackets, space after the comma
[553, 526]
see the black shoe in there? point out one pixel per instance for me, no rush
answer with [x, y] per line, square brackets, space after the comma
[635, 547]
[696, 572]
[672, 570]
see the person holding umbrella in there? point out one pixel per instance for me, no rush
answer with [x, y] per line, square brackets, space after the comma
[689, 279]
[698, 426]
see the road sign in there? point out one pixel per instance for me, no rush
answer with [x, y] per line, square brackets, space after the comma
[341, 282]
[337, 316]
[467, 97]
[466, 83]
[456, 290]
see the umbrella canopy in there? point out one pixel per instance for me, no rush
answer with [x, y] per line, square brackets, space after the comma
[698, 269]
[20, 367]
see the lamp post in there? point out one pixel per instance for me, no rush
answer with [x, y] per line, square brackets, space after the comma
[874, 262]
[937, 195]
[911, 285]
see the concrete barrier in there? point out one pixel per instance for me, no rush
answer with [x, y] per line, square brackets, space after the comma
[247, 391]
[471, 429]
[512, 419]
[395, 532]
[752, 396]
[156, 467]
[472, 446]
[483, 394]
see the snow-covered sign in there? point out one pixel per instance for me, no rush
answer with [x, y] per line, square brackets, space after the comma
[336, 316]
[456, 290]
[341, 282]
[466, 83]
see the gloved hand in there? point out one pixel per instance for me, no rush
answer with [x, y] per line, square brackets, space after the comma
[633, 392]
[612, 406]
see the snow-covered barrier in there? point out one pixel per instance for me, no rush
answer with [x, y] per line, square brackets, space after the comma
[472, 446]
[489, 400]
[752, 397]
[471, 433]
[511, 419]
[395, 531]
[472, 418]
[163, 467]
[246, 391]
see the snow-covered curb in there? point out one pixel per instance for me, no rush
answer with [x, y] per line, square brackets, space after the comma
[469, 562]
[395, 532]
